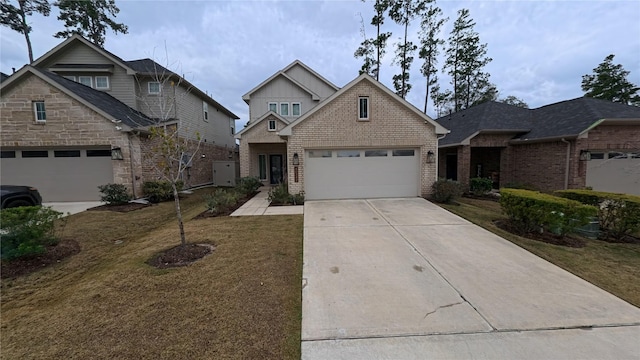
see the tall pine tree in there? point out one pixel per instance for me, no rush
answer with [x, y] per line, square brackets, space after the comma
[89, 18]
[366, 51]
[430, 46]
[378, 44]
[609, 82]
[15, 17]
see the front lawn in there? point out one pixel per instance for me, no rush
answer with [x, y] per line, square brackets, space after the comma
[241, 301]
[613, 267]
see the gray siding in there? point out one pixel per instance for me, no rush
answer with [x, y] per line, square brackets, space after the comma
[279, 90]
[121, 84]
[309, 80]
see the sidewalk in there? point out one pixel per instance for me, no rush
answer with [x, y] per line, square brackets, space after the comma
[259, 205]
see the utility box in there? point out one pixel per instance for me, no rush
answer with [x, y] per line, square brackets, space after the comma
[224, 173]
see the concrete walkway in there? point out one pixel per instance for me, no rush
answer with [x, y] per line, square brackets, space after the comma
[259, 205]
[405, 279]
[73, 207]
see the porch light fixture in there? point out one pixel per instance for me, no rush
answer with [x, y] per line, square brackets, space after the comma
[585, 155]
[116, 154]
[431, 157]
[296, 159]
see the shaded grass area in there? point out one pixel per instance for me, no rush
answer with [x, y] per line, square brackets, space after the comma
[614, 267]
[242, 301]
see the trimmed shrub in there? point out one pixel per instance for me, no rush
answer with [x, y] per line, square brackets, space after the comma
[279, 195]
[518, 185]
[618, 214]
[445, 190]
[531, 211]
[27, 230]
[298, 199]
[161, 190]
[221, 200]
[480, 186]
[114, 194]
[248, 185]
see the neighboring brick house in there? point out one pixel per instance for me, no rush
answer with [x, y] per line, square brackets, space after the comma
[65, 116]
[361, 141]
[576, 143]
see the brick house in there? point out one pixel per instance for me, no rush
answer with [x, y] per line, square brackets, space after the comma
[79, 117]
[577, 143]
[360, 141]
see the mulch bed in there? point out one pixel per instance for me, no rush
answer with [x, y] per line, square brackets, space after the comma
[120, 208]
[180, 255]
[208, 214]
[568, 240]
[53, 254]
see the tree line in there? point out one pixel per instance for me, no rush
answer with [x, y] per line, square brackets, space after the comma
[465, 59]
[89, 18]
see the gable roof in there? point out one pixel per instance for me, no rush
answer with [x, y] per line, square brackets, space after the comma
[260, 119]
[99, 101]
[439, 129]
[3, 77]
[568, 119]
[246, 97]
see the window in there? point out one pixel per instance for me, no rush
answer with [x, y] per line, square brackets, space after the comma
[205, 110]
[232, 122]
[320, 154]
[7, 154]
[272, 125]
[99, 153]
[70, 77]
[295, 109]
[154, 87]
[35, 154]
[102, 82]
[39, 111]
[284, 109]
[66, 153]
[349, 153]
[403, 153]
[363, 108]
[375, 153]
[262, 165]
[86, 80]
[617, 155]
[597, 156]
[273, 107]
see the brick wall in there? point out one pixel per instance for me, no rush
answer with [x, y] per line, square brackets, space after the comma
[69, 124]
[391, 125]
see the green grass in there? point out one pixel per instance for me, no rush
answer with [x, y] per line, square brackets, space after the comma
[611, 266]
[242, 301]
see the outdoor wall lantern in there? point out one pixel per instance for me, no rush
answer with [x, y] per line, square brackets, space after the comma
[585, 155]
[296, 159]
[116, 154]
[431, 157]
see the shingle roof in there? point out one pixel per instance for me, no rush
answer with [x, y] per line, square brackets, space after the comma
[148, 66]
[3, 76]
[566, 118]
[102, 101]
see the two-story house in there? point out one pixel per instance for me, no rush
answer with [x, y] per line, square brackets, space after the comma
[79, 116]
[359, 141]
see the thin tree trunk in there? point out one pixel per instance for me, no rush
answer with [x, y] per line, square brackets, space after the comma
[378, 41]
[426, 96]
[176, 200]
[404, 53]
[25, 30]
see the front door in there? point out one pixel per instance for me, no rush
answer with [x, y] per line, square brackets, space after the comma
[452, 166]
[275, 162]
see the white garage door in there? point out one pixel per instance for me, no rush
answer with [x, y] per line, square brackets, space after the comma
[614, 171]
[60, 174]
[359, 174]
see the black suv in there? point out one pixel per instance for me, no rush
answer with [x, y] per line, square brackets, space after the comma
[15, 196]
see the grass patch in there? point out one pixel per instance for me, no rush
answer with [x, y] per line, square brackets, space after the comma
[614, 267]
[242, 301]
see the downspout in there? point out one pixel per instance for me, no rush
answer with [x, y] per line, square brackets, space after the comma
[566, 171]
[438, 138]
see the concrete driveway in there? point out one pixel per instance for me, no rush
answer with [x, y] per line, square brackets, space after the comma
[72, 207]
[405, 279]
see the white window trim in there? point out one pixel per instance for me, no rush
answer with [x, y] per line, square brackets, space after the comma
[299, 108]
[86, 77]
[102, 88]
[275, 125]
[205, 111]
[368, 109]
[149, 88]
[35, 112]
[288, 109]
[273, 103]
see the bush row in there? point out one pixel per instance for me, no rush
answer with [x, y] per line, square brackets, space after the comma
[531, 211]
[27, 230]
[618, 214]
[223, 199]
[279, 195]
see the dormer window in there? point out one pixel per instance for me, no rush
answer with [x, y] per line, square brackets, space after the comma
[271, 126]
[284, 109]
[86, 80]
[154, 88]
[102, 82]
[363, 108]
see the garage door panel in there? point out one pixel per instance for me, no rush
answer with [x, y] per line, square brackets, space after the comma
[618, 172]
[361, 177]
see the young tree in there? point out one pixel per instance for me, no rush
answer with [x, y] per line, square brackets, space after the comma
[430, 46]
[378, 44]
[15, 17]
[512, 100]
[89, 18]
[609, 82]
[466, 59]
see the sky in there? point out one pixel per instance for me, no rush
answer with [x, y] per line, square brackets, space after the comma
[540, 49]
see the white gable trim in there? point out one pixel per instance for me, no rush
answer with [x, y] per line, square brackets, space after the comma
[439, 129]
[259, 120]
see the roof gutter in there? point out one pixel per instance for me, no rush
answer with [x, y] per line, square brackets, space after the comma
[552, 138]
